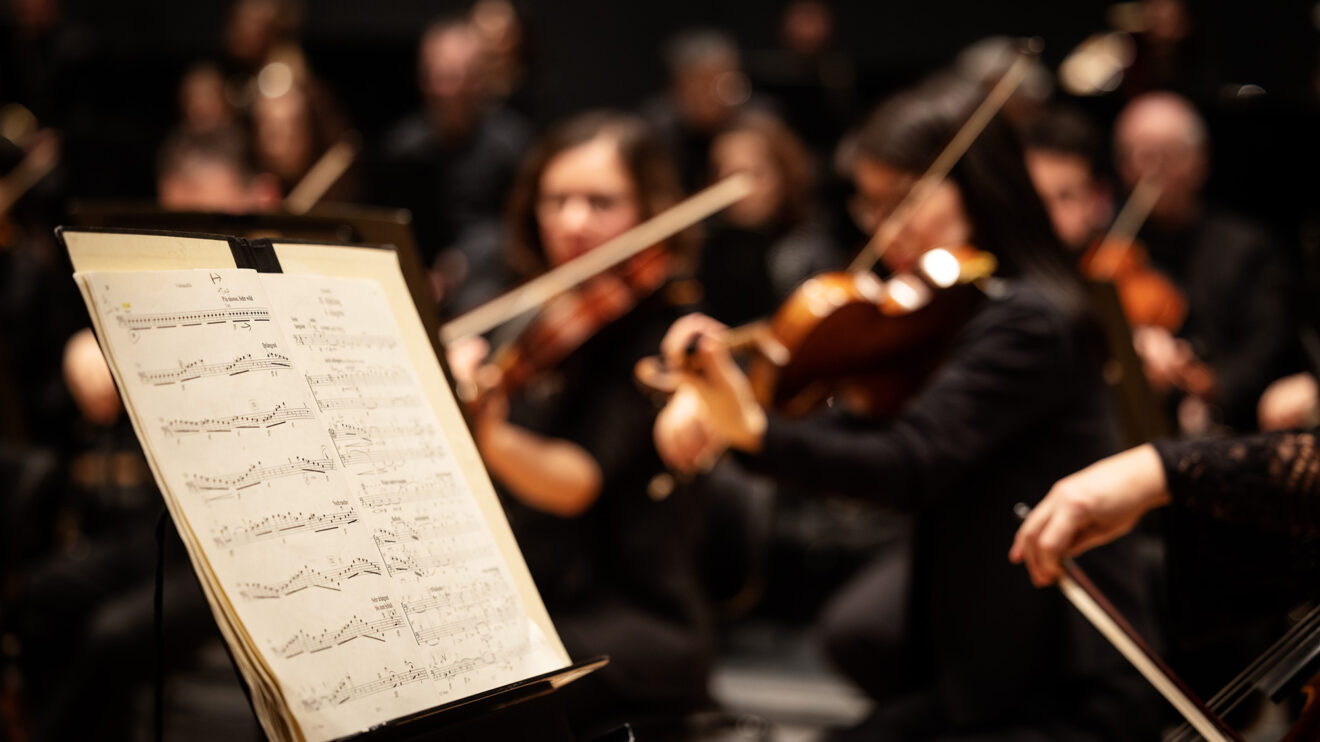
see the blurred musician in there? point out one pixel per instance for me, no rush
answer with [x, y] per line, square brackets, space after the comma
[707, 89]
[762, 247]
[452, 164]
[951, 645]
[1063, 153]
[1238, 329]
[609, 540]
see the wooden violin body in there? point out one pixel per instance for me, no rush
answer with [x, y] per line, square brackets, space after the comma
[867, 342]
[1147, 296]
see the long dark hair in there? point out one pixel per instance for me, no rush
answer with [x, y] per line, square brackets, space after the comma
[1008, 219]
[648, 164]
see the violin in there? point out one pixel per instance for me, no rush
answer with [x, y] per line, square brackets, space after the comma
[851, 336]
[570, 319]
[835, 326]
[582, 295]
[1148, 297]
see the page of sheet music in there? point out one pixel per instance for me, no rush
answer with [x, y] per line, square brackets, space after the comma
[288, 426]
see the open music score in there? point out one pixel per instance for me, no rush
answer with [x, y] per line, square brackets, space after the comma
[291, 436]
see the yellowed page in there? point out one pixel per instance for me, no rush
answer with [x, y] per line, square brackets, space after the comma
[307, 463]
[382, 266]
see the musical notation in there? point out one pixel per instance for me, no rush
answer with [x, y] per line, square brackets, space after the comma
[385, 458]
[284, 524]
[237, 315]
[307, 577]
[441, 615]
[355, 628]
[277, 415]
[232, 484]
[398, 492]
[366, 403]
[346, 690]
[385, 377]
[199, 369]
[399, 558]
[463, 666]
[329, 340]
[343, 431]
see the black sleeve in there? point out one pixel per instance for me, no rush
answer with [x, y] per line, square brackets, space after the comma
[1269, 481]
[1008, 371]
[1265, 329]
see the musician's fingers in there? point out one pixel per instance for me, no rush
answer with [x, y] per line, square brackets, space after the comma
[674, 347]
[1026, 534]
[1026, 544]
[1056, 538]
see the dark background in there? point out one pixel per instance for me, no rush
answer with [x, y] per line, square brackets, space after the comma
[117, 92]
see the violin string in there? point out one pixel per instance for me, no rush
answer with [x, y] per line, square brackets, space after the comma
[1244, 683]
[1242, 686]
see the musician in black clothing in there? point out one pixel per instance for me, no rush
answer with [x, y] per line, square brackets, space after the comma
[610, 541]
[1239, 329]
[759, 249]
[452, 164]
[951, 644]
[1267, 481]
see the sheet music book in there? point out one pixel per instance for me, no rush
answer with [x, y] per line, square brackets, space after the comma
[299, 426]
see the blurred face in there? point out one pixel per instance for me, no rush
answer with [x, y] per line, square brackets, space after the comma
[282, 135]
[202, 98]
[709, 93]
[205, 185]
[1070, 194]
[939, 221]
[748, 152]
[585, 198]
[807, 27]
[1158, 137]
[251, 31]
[449, 67]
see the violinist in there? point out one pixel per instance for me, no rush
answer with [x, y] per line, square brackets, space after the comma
[1062, 149]
[949, 643]
[566, 433]
[759, 249]
[1238, 329]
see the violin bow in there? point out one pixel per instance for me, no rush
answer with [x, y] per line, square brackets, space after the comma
[952, 153]
[541, 289]
[1087, 598]
[323, 174]
[1134, 213]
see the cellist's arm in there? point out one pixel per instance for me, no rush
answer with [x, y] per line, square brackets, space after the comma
[1092, 507]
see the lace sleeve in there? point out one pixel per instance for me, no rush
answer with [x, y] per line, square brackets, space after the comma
[1269, 481]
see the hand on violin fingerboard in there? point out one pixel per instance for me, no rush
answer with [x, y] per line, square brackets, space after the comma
[728, 410]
